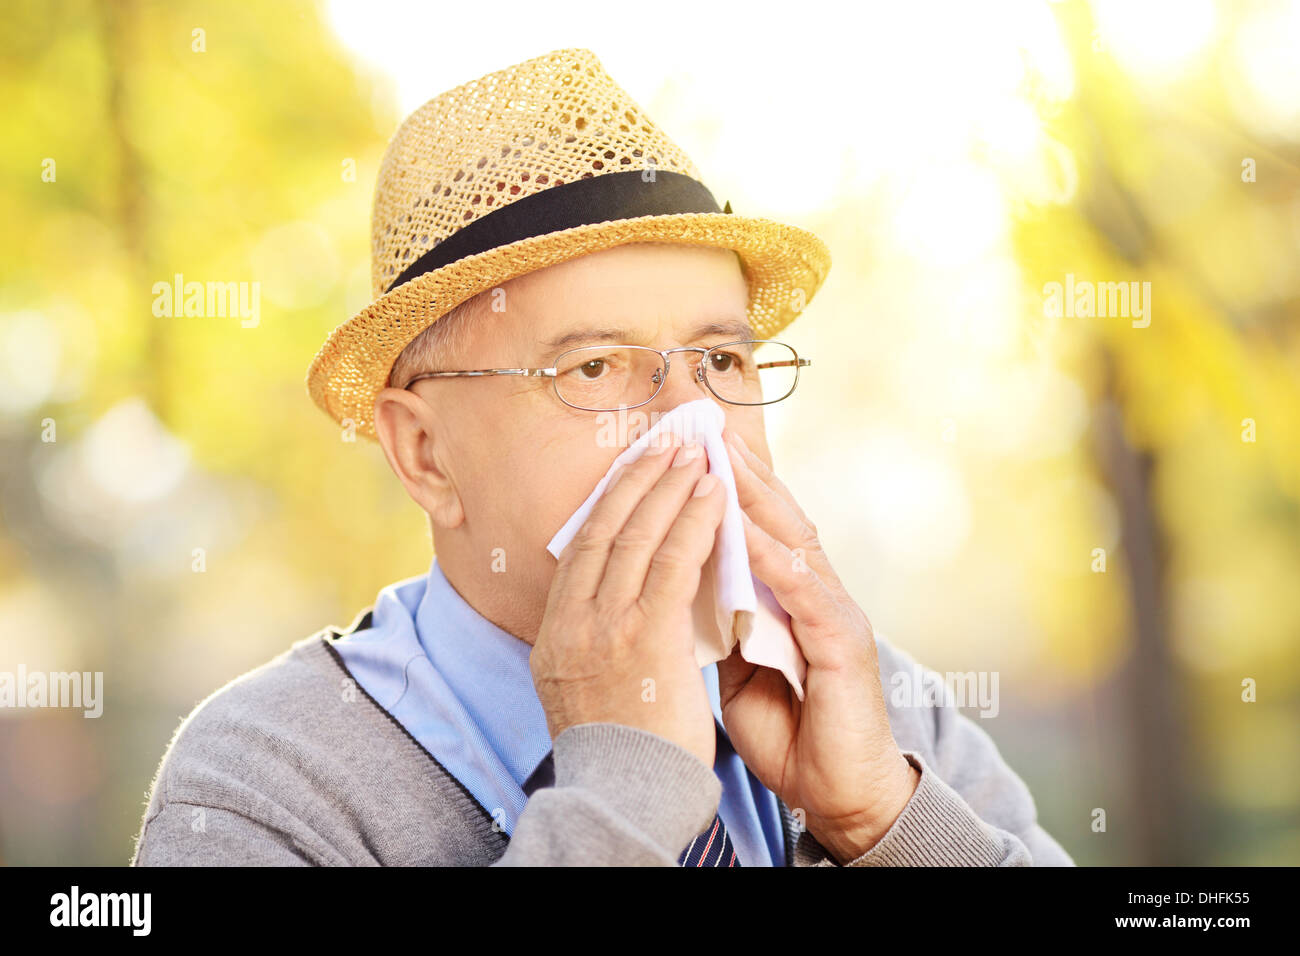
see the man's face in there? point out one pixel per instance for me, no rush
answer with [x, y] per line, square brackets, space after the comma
[520, 461]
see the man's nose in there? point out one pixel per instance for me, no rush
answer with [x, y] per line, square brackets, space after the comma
[681, 384]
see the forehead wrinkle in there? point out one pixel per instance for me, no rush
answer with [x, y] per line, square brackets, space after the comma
[730, 328]
[579, 336]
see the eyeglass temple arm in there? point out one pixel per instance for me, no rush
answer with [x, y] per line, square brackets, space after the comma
[552, 372]
[530, 372]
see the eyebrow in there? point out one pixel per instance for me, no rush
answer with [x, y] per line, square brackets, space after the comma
[734, 329]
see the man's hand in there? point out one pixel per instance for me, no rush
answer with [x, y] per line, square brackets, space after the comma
[833, 754]
[619, 611]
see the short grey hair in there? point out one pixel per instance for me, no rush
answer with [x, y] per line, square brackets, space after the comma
[440, 343]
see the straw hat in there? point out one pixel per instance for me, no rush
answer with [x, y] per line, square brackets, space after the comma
[533, 165]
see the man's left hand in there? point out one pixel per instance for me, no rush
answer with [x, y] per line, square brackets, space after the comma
[833, 755]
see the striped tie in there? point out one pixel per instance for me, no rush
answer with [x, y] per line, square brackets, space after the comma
[711, 848]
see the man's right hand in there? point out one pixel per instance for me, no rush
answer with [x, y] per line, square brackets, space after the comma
[619, 610]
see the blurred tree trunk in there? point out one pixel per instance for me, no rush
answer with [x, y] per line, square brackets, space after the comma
[1148, 688]
[1146, 696]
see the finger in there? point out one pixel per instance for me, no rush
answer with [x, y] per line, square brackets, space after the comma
[797, 586]
[771, 512]
[762, 470]
[674, 574]
[645, 530]
[733, 673]
[796, 532]
[582, 562]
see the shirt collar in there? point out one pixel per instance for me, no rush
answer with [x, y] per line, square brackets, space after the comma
[487, 668]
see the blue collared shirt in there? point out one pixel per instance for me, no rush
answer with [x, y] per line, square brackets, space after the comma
[462, 687]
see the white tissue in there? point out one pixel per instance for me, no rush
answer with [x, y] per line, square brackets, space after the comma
[731, 604]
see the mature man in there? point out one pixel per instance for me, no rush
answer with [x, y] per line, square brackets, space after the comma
[545, 256]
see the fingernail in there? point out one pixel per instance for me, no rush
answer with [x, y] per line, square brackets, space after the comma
[739, 442]
[657, 447]
[708, 481]
[686, 455]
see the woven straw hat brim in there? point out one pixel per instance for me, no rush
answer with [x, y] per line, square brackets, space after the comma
[785, 266]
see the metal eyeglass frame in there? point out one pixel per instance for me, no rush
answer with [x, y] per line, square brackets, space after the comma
[700, 375]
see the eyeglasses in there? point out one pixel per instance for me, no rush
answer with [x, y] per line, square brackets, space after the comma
[608, 378]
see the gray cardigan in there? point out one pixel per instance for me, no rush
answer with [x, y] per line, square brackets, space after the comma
[294, 764]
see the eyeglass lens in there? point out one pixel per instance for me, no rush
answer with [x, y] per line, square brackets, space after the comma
[609, 377]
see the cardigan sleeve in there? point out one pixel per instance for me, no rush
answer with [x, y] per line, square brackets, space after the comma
[191, 834]
[936, 828]
[622, 797]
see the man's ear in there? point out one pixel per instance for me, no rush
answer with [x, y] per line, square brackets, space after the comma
[408, 430]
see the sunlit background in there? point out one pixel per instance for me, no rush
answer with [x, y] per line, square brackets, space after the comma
[1102, 510]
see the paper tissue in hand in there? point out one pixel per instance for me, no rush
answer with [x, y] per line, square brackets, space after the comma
[731, 605]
